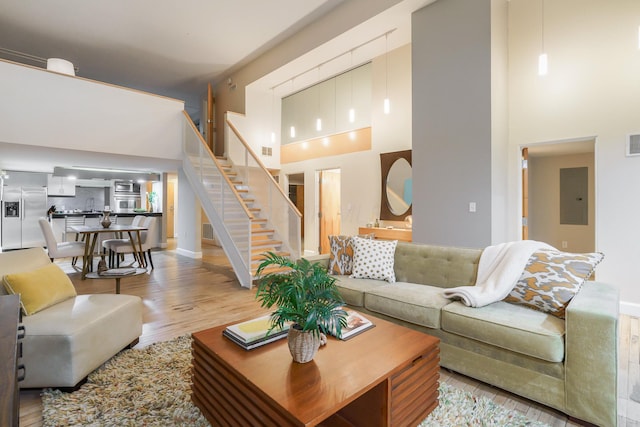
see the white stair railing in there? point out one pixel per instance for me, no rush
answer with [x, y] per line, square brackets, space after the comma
[283, 215]
[220, 201]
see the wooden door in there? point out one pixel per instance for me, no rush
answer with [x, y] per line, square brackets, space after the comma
[170, 208]
[329, 204]
[525, 194]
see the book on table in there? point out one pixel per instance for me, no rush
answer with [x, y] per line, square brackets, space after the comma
[254, 333]
[356, 324]
[124, 271]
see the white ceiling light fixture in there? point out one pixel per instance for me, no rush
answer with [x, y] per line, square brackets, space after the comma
[61, 66]
[543, 60]
[386, 103]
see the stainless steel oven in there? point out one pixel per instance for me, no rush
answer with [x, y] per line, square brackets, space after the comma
[126, 188]
[127, 204]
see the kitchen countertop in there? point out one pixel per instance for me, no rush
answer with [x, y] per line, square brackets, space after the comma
[97, 214]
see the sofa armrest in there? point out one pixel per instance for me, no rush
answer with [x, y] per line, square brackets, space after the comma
[322, 259]
[591, 358]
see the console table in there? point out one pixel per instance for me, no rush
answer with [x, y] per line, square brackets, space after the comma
[9, 355]
[386, 376]
[399, 234]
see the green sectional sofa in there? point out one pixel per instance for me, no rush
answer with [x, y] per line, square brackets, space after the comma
[568, 364]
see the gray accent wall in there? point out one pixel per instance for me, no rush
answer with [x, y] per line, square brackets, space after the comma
[451, 75]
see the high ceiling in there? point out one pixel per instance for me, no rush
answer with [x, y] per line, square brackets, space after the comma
[172, 48]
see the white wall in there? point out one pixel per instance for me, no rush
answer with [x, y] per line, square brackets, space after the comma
[47, 109]
[591, 89]
[544, 203]
[360, 172]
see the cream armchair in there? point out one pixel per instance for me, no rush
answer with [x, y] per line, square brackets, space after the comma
[68, 340]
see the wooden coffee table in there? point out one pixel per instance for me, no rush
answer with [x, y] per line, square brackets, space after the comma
[386, 376]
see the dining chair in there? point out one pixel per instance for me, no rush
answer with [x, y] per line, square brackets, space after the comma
[72, 221]
[62, 249]
[119, 247]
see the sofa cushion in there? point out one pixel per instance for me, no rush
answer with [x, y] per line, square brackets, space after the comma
[441, 266]
[411, 302]
[373, 259]
[353, 290]
[551, 279]
[40, 288]
[509, 326]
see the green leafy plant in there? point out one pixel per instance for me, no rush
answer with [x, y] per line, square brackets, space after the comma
[304, 293]
[152, 196]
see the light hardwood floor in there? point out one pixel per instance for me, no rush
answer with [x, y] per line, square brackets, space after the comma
[182, 295]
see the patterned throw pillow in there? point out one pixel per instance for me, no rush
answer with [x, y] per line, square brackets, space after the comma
[340, 255]
[551, 279]
[373, 259]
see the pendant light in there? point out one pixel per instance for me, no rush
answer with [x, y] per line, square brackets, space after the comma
[543, 64]
[386, 103]
[352, 111]
[318, 119]
[273, 116]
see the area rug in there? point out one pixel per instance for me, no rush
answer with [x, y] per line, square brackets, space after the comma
[151, 387]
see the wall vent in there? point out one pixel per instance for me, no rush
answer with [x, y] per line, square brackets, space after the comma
[633, 145]
[207, 231]
[267, 151]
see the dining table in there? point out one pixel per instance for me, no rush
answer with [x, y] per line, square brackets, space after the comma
[90, 235]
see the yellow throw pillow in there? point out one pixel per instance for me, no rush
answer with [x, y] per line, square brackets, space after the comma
[41, 288]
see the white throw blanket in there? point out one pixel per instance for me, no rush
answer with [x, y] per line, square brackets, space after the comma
[499, 269]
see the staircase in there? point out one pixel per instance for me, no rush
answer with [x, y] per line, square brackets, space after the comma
[249, 212]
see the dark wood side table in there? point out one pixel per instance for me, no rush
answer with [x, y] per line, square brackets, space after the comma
[9, 356]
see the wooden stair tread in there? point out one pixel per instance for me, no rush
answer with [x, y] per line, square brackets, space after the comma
[263, 231]
[260, 256]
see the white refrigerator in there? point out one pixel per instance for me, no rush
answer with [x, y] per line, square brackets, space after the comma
[22, 207]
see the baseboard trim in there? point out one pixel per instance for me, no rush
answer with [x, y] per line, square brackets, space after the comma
[630, 309]
[190, 254]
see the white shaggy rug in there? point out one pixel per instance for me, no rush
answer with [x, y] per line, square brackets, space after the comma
[151, 387]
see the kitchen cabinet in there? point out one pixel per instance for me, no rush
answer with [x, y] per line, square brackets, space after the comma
[60, 186]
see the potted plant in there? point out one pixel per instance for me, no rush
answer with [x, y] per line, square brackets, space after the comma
[305, 296]
[152, 195]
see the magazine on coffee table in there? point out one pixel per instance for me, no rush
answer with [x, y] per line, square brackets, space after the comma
[254, 333]
[356, 324]
[124, 271]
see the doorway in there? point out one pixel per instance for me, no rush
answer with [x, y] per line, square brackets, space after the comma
[558, 194]
[296, 195]
[328, 207]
